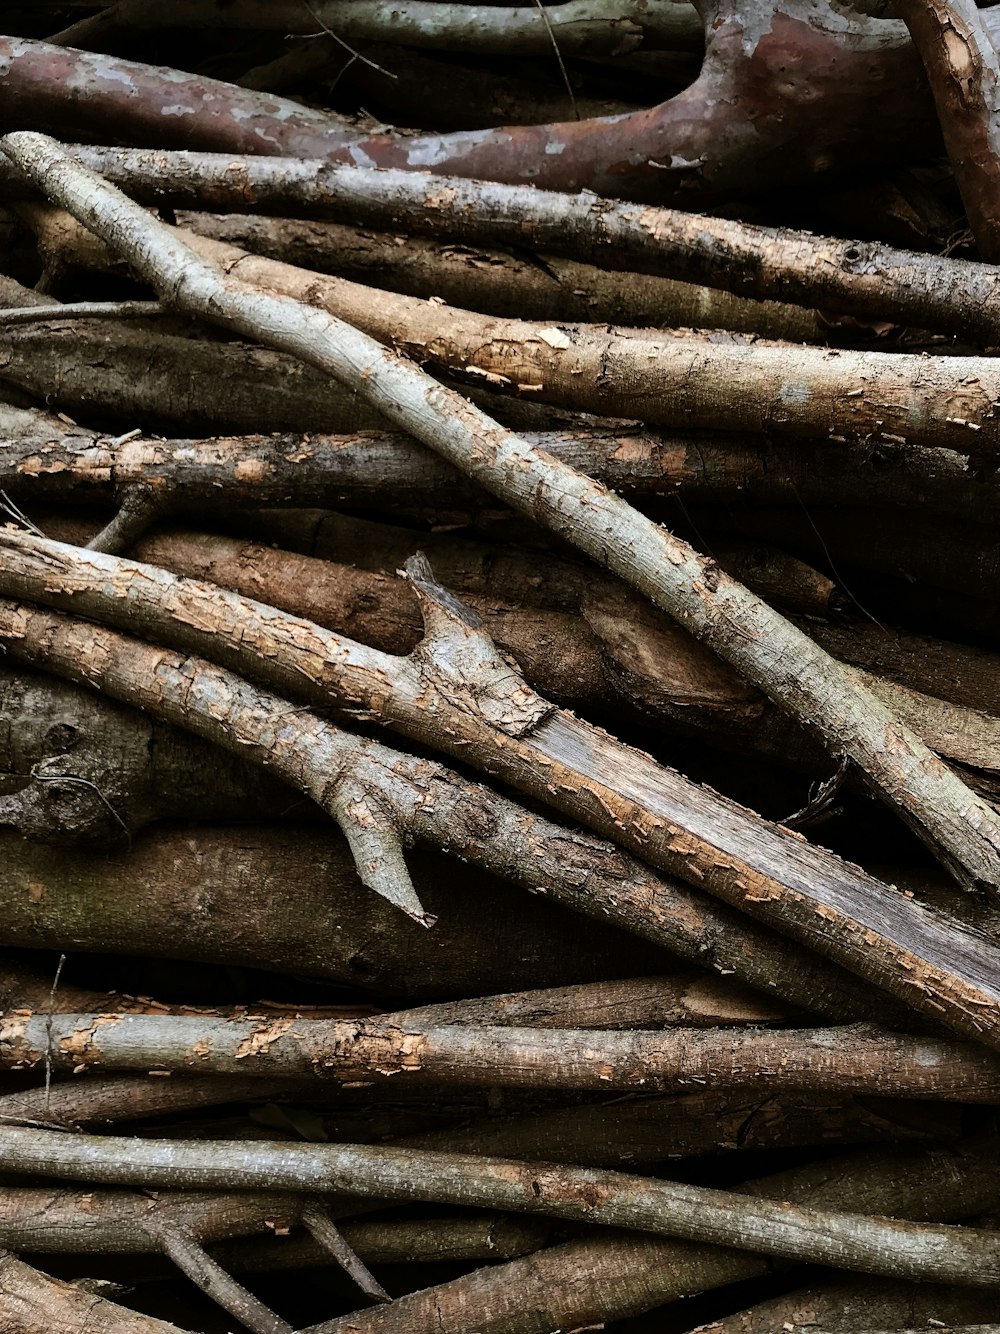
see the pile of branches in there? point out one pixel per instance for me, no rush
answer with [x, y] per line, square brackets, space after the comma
[501, 659]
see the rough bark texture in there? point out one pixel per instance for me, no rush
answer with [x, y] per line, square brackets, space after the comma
[851, 1305]
[582, 27]
[827, 1060]
[44, 459]
[862, 99]
[930, 963]
[964, 74]
[504, 283]
[862, 278]
[663, 379]
[967, 1256]
[380, 796]
[962, 829]
[31, 1301]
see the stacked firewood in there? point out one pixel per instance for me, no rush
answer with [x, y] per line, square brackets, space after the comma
[500, 706]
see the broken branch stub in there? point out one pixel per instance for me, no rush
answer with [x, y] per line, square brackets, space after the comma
[936, 965]
[961, 828]
[423, 800]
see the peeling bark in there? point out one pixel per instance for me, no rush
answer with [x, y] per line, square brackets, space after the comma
[46, 460]
[44, 85]
[664, 379]
[364, 783]
[964, 74]
[739, 127]
[852, 277]
[617, 651]
[825, 1060]
[961, 829]
[455, 694]
[504, 283]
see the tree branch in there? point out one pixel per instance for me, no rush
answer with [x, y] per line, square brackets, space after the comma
[844, 1060]
[493, 720]
[962, 829]
[597, 1279]
[967, 1256]
[666, 379]
[862, 278]
[216, 1284]
[964, 74]
[431, 803]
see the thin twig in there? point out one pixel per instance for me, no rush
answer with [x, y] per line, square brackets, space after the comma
[48, 1032]
[555, 47]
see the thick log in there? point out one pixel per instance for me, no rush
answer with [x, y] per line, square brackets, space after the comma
[504, 282]
[230, 886]
[28, 1297]
[964, 74]
[661, 378]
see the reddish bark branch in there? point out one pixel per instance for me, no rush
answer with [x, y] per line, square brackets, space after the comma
[964, 74]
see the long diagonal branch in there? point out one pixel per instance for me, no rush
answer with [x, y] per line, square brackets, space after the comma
[424, 801]
[962, 829]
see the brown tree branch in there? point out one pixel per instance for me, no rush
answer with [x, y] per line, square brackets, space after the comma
[603, 1278]
[31, 1301]
[863, 99]
[844, 1060]
[962, 830]
[45, 460]
[964, 74]
[862, 278]
[423, 800]
[454, 692]
[582, 27]
[967, 1256]
[505, 282]
[852, 1305]
[329, 1237]
[208, 1275]
[664, 379]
